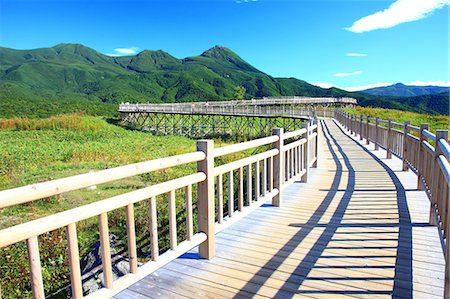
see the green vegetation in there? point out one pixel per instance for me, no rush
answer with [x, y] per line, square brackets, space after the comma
[71, 77]
[16, 101]
[435, 121]
[401, 90]
[35, 150]
[239, 93]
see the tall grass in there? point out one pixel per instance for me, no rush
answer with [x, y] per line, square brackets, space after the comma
[74, 121]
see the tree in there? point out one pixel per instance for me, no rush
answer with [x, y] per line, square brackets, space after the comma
[239, 92]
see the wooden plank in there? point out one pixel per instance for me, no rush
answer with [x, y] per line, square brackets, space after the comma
[163, 280]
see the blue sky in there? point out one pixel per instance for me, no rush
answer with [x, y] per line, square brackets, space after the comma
[345, 43]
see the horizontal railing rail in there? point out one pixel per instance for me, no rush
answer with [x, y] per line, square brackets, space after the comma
[250, 182]
[430, 163]
[252, 102]
[283, 106]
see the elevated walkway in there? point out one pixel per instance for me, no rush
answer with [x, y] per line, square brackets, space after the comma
[358, 228]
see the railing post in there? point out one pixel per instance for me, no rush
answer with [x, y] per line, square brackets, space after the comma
[316, 144]
[278, 162]
[347, 119]
[367, 130]
[361, 127]
[206, 216]
[420, 158]
[376, 141]
[306, 153]
[405, 149]
[74, 261]
[34, 261]
[354, 125]
[440, 134]
[351, 124]
[389, 140]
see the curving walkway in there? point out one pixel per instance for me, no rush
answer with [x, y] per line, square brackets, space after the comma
[357, 229]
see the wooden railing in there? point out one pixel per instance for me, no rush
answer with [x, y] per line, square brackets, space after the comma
[266, 101]
[265, 173]
[287, 106]
[423, 152]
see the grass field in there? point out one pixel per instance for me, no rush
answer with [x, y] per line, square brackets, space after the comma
[35, 150]
[434, 121]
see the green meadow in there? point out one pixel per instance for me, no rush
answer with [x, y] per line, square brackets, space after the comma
[41, 149]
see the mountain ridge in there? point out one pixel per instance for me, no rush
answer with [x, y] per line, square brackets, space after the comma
[66, 72]
[402, 90]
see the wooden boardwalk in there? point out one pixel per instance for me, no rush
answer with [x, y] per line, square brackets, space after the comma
[358, 229]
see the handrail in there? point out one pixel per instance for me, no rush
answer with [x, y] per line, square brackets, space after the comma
[50, 188]
[445, 167]
[294, 133]
[429, 135]
[445, 148]
[431, 164]
[42, 225]
[269, 171]
[234, 148]
[252, 102]
[243, 162]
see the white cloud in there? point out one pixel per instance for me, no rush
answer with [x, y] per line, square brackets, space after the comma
[347, 74]
[356, 54]
[401, 11]
[363, 87]
[245, 1]
[124, 51]
[428, 83]
[323, 84]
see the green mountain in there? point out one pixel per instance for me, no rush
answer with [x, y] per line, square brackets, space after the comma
[401, 90]
[73, 77]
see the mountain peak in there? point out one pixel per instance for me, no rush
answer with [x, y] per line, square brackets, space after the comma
[399, 85]
[218, 52]
[70, 46]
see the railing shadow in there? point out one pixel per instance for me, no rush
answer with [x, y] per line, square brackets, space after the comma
[302, 270]
[403, 282]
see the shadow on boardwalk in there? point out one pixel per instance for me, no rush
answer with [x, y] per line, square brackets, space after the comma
[291, 286]
[403, 282]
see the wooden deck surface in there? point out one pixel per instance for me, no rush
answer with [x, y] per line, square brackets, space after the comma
[357, 229]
